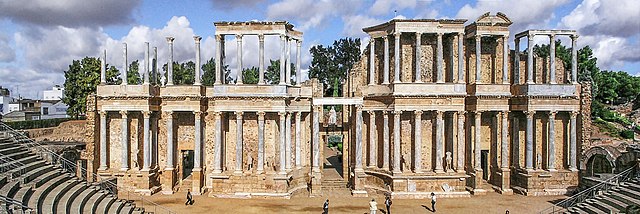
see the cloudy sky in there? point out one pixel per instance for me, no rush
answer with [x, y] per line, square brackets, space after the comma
[40, 38]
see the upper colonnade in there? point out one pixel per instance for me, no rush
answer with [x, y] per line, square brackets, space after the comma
[530, 34]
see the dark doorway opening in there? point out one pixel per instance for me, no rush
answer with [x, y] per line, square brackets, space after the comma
[187, 163]
[484, 160]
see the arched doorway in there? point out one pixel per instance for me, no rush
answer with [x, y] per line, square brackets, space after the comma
[598, 164]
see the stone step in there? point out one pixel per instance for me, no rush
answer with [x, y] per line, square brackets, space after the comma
[626, 197]
[25, 160]
[92, 203]
[127, 209]
[53, 198]
[79, 202]
[117, 206]
[588, 208]
[138, 210]
[601, 205]
[19, 155]
[23, 194]
[103, 206]
[10, 188]
[41, 192]
[11, 150]
[632, 186]
[17, 172]
[3, 181]
[40, 180]
[576, 210]
[37, 172]
[614, 202]
[65, 201]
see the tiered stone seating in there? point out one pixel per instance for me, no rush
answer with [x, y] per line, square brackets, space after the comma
[48, 189]
[615, 200]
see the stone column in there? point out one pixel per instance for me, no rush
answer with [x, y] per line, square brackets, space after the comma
[145, 71]
[505, 59]
[103, 68]
[460, 58]
[417, 159]
[477, 140]
[516, 62]
[103, 140]
[170, 63]
[439, 59]
[386, 60]
[170, 144]
[287, 73]
[372, 64]
[385, 140]
[154, 66]
[239, 59]
[530, 79]
[373, 146]
[298, 139]
[283, 39]
[529, 143]
[505, 141]
[574, 60]
[217, 147]
[552, 59]
[260, 167]
[282, 143]
[288, 141]
[572, 144]
[439, 141]
[219, 52]
[316, 138]
[261, 60]
[197, 151]
[396, 71]
[147, 144]
[298, 60]
[358, 138]
[551, 153]
[478, 58]
[418, 57]
[396, 142]
[461, 142]
[238, 168]
[198, 72]
[125, 64]
[125, 141]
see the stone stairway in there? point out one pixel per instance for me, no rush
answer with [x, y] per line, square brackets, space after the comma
[48, 189]
[615, 200]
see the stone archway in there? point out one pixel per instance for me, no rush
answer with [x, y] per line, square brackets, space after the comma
[599, 159]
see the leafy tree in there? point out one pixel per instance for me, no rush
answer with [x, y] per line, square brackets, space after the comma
[183, 73]
[250, 75]
[562, 52]
[272, 74]
[209, 72]
[331, 64]
[133, 75]
[81, 79]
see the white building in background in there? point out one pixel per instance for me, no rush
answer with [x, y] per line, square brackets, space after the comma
[53, 109]
[56, 93]
[5, 99]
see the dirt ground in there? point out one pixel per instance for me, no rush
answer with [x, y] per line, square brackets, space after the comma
[490, 203]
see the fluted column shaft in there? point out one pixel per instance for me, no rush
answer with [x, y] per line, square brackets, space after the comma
[396, 59]
[170, 144]
[386, 60]
[461, 142]
[439, 59]
[478, 58]
[298, 139]
[260, 167]
[125, 64]
[298, 61]
[239, 142]
[516, 141]
[572, 144]
[385, 140]
[197, 70]
[358, 138]
[217, 147]
[125, 141]
[282, 143]
[552, 59]
[154, 66]
[418, 142]
[197, 153]
[477, 140]
[530, 79]
[396, 142]
[219, 52]
[170, 63]
[146, 143]
[287, 73]
[551, 153]
[439, 141]
[529, 143]
[145, 71]
[261, 59]
[239, 58]
[418, 75]
[103, 68]
[516, 62]
[316, 138]
[283, 39]
[103, 140]
[505, 59]
[372, 61]
[505, 141]
[574, 60]
[460, 58]
[373, 146]
[288, 141]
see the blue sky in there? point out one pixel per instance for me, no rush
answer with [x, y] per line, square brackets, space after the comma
[40, 39]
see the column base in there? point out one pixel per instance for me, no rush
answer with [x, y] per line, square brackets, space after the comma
[103, 168]
[217, 171]
[573, 169]
[439, 171]
[237, 172]
[196, 182]
[552, 170]
[167, 181]
[124, 169]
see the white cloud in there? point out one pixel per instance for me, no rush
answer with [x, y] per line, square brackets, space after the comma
[234, 4]
[382, 7]
[353, 25]
[310, 13]
[7, 54]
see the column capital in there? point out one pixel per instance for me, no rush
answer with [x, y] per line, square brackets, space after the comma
[146, 114]
[440, 34]
[385, 37]
[478, 37]
[239, 37]
[552, 114]
[283, 37]
[418, 33]
[298, 114]
[397, 113]
[358, 107]
[282, 114]
[397, 34]
[460, 34]
[102, 113]
[197, 38]
[261, 37]
[461, 113]
[217, 114]
[551, 36]
[477, 113]
[530, 37]
[418, 112]
[261, 115]
[573, 113]
[238, 115]
[219, 37]
[170, 39]
[197, 114]
[505, 113]
[574, 37]
[530, 113]
[124, 113]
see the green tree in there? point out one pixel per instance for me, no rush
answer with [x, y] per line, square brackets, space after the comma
[81, 79]
[183, 73]
[133, 75]
[272, 74]
[331, 64]
[250, 75]
[562, 52]
[209, 72]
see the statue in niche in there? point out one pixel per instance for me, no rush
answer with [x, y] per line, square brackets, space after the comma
[449, 161]
[539, 161]
[250, 163]
[134, 158]
[332, 116]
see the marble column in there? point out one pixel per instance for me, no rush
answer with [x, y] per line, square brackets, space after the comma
[239, 59]
[516, 62]
[197, 151]
[170, 144]
[396, 142]
[552, 59]
[418, 75]
[572, 144]
[439, 59]
[461, 58]
[439, 141]
[530, 79]
[282, 143]
[287, 73]
[505, 59]
[316, 138]
[358, 166]
[260, 167]
[219, 52]
[373, 145]
[372, 61]
[298, 61]
[145, 67]
[154, 66]
[396, 59]
[103, 140]
[125, 64]
[574, 59]
[478, 59]
[385, 140]
[170, 63]
[217, 147]
[417, 159]
[529, 141]
[288, 141]
[283, 40]
[146, 142]
[504, 161]
[386, 60]
[125, 141]
[551, 146]
[461, 142]
[197, 69]
[103, 68]
[298, 139]
[477, 140]
[516, 141]
[261, 60]
[239, 124]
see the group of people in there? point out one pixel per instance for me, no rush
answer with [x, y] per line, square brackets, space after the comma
[373, 205]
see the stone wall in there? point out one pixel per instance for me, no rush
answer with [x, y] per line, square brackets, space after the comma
[69, 131]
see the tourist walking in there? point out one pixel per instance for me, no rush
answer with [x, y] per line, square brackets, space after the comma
[373, 206]
[387, 203]
[433, 202]
[325, 207]
[189, 198]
